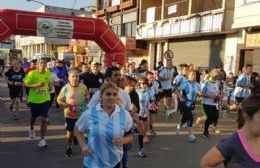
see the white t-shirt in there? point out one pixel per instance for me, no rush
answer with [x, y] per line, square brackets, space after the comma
[122, 95]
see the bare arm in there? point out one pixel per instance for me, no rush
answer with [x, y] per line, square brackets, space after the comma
[82, 141]
[212, 158]
[36, 85]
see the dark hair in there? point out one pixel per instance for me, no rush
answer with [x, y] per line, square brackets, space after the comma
[250, 106]
[248, 65]
[143, 80]
[143, 62]
[184, 65]
[149, 73]
[110, 71]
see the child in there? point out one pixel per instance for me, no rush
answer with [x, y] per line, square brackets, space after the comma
[145, 97]
[191, 89]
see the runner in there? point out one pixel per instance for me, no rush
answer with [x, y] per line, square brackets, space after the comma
[39, 82]
[191, 89]
[145, 97]
[154, 87]
[62, 74]
[93, 79]
[130, 89]
[15, 77]
[211, 94]
[179, 80]
[107, 126]
[73, 98]
[166, 77]
[242, 149]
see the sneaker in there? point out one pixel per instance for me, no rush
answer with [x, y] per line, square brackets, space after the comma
[169, 114]
[42, 143]
[216, 131]
[178, 129]
[191, 138]
[31, 134]
[68, 153]
[153, 132]
[141, 153]
[146, 140]
[205, 135]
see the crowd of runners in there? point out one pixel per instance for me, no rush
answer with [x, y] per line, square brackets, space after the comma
[105, 106]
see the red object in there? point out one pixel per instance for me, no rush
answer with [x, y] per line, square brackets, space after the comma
[19, 22]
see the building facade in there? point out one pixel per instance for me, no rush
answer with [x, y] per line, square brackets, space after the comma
[247, 22]
[195, 30]
[122, 17]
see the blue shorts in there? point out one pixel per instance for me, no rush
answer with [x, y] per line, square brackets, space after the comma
[40, 109]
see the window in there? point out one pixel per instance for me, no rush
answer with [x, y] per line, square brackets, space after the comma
[117, 29]
[129, 29]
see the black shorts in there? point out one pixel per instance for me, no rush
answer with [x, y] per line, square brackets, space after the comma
[167, 92]
[39, 109]
[144, 119]
[70, 123]
[239, 99]
[153, 111]
[13, 93]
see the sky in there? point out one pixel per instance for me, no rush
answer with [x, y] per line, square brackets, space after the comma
[32, 6]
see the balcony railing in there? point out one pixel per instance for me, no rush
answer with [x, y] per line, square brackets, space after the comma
[181, 26]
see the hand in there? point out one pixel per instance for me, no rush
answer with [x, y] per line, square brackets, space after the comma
[41, 84]
[119, 142]
[86, 150]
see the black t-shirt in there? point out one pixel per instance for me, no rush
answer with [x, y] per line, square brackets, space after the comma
[236, 152]
[92, 81]
[15, 77]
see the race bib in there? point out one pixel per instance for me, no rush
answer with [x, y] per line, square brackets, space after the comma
[42, 91]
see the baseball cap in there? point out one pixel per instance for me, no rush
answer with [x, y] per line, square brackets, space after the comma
[94, 63]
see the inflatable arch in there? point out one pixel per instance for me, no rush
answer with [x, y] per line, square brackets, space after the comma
[16, 22]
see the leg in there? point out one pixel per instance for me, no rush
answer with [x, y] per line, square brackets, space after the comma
[43, 127]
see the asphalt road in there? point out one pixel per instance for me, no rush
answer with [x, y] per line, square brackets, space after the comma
[166, 150]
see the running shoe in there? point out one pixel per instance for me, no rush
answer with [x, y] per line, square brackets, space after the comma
[205, 135]
[141, 153]
[191, 138]
[31, 134]
[169, 114]
[153, 132]
[42, 143]
[216, 131]
[178, 129]
[68, 153]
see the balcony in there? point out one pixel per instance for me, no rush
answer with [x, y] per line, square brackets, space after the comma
[113, 9]
[127, 4]
[182, 26]
[100, 12]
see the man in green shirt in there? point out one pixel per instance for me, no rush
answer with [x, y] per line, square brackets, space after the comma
[39, 83]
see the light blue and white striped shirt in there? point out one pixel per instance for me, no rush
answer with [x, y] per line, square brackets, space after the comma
[101, 130]
[210, 89]
[242, 84]
[166, 73]
[145, 96]
[191, 90]
[180, 80]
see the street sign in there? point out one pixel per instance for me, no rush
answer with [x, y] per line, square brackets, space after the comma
[168, 54]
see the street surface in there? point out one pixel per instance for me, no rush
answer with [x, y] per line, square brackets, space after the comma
[166, 150]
